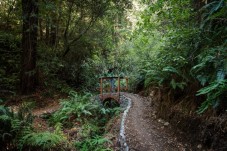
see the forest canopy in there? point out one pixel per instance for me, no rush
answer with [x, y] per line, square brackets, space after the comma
[176, 44]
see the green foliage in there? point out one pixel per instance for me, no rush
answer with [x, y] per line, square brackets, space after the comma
[91, 117]
[77, 107]
[211, 69]
[14, 125]
[16, 132]
[88, 129]
[9, 60]
[95, 143]
[214, 94]
[5, 122]
[70, 33]
[171, 48]
[44, 140]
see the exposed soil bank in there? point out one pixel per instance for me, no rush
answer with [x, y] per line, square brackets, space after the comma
[205, 132]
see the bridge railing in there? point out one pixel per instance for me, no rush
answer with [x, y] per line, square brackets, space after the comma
[110, 87]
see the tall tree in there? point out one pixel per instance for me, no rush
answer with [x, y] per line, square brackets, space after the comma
[29, 43]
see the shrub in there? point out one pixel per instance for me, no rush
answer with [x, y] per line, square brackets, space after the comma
[96, 143]
[43, 141]
[10, 62]
[76, 107]
[14, 125]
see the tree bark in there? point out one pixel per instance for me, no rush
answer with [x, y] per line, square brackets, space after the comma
[53, 33]
[47, 30]
[40, 30]
[28, 78]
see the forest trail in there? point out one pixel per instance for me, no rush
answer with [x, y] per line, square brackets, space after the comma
[144, 132]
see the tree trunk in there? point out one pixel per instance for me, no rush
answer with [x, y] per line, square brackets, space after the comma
[47, 30]
[28, 79]
[40, 30]
[53, 33]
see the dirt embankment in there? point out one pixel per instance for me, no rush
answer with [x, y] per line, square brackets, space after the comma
[205, 132]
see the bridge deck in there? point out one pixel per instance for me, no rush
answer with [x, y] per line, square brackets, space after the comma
[115, 96]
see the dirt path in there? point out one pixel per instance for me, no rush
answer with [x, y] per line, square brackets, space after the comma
[144, 132]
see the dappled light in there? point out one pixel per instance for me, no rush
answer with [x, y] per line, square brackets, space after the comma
[110, 75]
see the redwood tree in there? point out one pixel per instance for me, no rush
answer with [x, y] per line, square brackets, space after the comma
[28, 78]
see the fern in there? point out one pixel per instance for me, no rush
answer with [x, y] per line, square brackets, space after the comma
[75, 106]
[171, 70]
[5, 118]
[96, 143]
[42, 140]
[98, 140]
[175, 84]
[14, 125]
[212, 8]
[213, 93]
[5, 128]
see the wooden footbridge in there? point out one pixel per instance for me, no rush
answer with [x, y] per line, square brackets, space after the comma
[110, 87]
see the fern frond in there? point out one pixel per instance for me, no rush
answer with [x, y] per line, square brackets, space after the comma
[213, 93]
[44, 140]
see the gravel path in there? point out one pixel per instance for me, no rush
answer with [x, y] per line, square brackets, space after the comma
[144, 132]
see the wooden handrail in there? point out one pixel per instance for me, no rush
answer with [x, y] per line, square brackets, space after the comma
[109, 90]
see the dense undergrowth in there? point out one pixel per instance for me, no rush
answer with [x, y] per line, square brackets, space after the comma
[79, 124]
[180, 57]
[181, 48]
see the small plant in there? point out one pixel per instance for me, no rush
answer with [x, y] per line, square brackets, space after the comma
[88, 129]
[5, 130]
[14, 125]
[213, 93]
[76, 107]
[96, 143]
[43, 141]
[89, 115]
